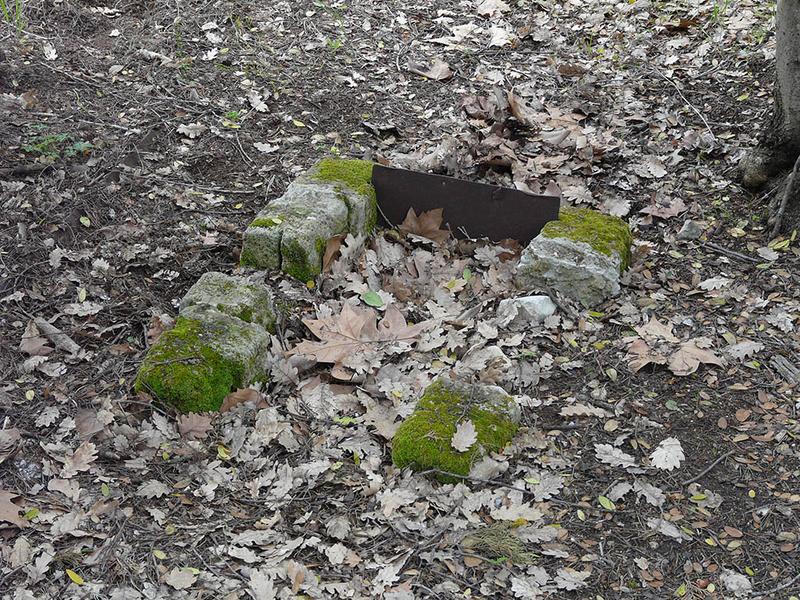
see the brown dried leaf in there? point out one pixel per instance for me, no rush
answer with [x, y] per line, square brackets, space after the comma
[81, 460]
[640, 355]
[332, 252]
[9, 442]
[354, 332]
[654, 330]
[158, 325]
[32, 343]
[238, 397]
[194, 426]
[9, 512]
[523, 113]
[689, 357]
[427, 225]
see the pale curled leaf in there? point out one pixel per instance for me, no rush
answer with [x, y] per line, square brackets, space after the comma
[180, 579]
[465, 436]
[613, 456]
[668, 455]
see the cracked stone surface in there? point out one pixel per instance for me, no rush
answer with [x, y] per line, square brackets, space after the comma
[291, 233]
[581, 256]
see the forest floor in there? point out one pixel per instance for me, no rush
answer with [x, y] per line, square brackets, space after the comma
[138, 140]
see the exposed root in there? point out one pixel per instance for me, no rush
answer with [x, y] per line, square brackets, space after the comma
[788, 196]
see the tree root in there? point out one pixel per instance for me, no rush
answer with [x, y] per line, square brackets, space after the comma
[789, 194]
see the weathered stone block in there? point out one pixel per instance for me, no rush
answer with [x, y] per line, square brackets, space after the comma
[234, 296]
[333, 198]
[423, 440]
[205, 356]
[581, 256]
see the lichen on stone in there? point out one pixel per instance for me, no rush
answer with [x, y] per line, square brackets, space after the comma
[423, 441]
[607, 234]
[234, 296]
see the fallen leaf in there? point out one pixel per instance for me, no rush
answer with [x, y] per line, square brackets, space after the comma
[192, 130]
[668, 455]
[9, 512]
[81, 460]
[465, 436]
[332, 252]
[240, 397]
[180, 579]
[613, 456]
[426, 225]
[347, 338]
[689, 357]
[32, 343]
[437, 69]
[194, 426]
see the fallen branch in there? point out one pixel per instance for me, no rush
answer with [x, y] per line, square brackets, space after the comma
[708, 469]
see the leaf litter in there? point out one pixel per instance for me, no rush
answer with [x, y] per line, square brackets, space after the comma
[289, 490]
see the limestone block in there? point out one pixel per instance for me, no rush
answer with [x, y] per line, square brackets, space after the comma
[205, 356]
[423, 440]
[333, 198]
[581, 256]
[234, 296]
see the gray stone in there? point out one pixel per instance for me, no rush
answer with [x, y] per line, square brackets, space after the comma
[570, 267]
[517, 313]
[207, 355]
[691, 230]
[333, 198]
[234, 296]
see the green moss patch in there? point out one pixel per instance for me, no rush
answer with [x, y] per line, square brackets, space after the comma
[422, 442]
[355, 174]
[606, 234]
[185, 371]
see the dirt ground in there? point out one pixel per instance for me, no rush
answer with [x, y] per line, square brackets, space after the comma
[138, 140]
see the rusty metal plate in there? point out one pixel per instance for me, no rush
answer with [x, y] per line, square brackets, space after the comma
[471, 209]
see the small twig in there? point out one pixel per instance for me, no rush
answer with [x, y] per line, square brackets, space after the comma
[709, 467]
[771, 593]
[689, 104]
[731, 253]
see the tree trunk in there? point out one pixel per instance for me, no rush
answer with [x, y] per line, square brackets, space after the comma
[778, 146]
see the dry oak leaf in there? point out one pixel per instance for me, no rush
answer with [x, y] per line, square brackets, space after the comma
[194, 426]
[345, 338]
[689, 357]
[654, 330]
[9, 442]
[640, 355]
[437, 69]
[668, 455]
[426, 225]
[81, 460]
[180, 579]
[241, 396]
[9, 512]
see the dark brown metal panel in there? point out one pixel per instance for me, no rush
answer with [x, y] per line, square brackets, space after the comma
[470, 209]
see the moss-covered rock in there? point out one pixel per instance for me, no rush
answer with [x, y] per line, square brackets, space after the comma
[205, 356]
[335, 197]
[234, 296]
[604, 233]
[581, 255]
[423, 440]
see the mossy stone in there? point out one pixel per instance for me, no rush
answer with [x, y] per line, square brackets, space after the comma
[205, 356]
[605, 233]
[423, 440]
[355, 174]
[234, 296]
